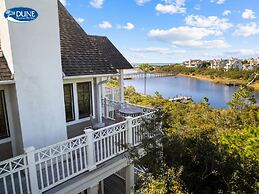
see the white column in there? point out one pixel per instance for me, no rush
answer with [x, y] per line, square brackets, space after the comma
[130, 179]
[93, 189]
[98, 97]
[99, 89]
[121, 82]
[76, 108]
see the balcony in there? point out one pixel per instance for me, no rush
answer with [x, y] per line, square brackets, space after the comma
[39, 171]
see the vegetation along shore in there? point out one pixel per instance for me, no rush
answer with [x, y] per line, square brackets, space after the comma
[218, 76]
[200, 149]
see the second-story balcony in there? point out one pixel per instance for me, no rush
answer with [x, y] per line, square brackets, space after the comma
[42, 170]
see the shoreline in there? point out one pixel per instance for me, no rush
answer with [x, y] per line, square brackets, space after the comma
[224, 81]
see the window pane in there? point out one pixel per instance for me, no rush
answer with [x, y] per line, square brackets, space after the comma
[68, 96]
[4, 129]
[84, 99]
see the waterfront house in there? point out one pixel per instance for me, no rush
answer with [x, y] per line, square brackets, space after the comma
[234, 63]
[252, 64]
[51, 89]
[193, 63]
[218, 63]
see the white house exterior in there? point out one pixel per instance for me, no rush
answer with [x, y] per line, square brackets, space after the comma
[234, 64]
[218, 63]
[51, 82]
[252, 64]
[193, 63]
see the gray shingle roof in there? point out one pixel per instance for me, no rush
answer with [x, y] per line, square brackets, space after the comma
[5, 73]
[110, 52]
[81, 54]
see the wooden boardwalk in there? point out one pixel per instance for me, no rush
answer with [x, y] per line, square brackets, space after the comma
[141, 75]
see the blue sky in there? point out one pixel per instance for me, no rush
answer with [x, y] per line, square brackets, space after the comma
[173, 30]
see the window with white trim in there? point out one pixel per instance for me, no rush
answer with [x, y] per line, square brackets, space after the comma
[84, 95]
[78, 101]
[4, 128]
[69, 102]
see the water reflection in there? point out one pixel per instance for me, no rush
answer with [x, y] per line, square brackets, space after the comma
[169, 87]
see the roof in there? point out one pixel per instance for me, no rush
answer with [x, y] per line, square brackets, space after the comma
[5, 73]
[81, 54]
[111, 52]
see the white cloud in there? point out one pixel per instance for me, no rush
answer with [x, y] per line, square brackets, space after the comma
[248, 14]
[142, 2]
[243, 52]
[186, 36]
[159, 50]
[211, 22]
[203, 44]
[105, 25]
[171, 7]
[97, 3]
[180, 33]
[226, 13]
[218, 1]
[247, 30]
[64, 2]
[80, 20]
[128, 26]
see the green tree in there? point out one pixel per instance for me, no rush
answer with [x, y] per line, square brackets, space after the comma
[242, 98]
[215, 150]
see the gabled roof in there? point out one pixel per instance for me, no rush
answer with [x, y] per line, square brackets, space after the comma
[111, 52]
[81, 54]
[5, 73]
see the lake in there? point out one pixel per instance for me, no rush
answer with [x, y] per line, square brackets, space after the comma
[169, 87]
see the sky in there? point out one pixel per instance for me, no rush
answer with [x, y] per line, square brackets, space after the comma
[171, 31]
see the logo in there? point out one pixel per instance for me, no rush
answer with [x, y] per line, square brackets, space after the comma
[21, 14]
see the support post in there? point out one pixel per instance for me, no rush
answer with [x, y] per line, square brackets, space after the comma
[90, 149]
[130, 179]
[102, 187]
[32, 170]
[121, 81]
[145, 84]
[130, 131]
[93, 189]
[105, 107]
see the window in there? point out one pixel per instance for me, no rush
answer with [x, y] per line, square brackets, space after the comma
[69, 103]
[84, 99]
[4, 128]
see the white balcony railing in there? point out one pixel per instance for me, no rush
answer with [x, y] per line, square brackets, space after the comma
[43, 169]
[110, 109]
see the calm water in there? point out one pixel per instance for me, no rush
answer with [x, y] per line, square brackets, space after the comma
[169, 87]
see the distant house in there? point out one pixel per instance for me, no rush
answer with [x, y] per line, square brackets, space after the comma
[234, 63]
[247, 66]
[193, 63]
[218, 63]
[251, 64]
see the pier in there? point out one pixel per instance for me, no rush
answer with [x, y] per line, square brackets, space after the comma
[140, 75]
